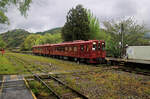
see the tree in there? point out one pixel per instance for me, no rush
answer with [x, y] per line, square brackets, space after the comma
[2, 43]
[29, 42]
[22, 5]
[133, 34]
[34, 39]
[49, 39]
[77, 25]
[95, 31]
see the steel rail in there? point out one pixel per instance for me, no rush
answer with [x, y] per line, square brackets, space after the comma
[59, 81]
[133, 71]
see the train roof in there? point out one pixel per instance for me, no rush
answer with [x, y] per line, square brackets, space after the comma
[42, 45]
[68, 43]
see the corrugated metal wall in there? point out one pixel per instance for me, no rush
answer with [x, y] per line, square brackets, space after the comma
[138, 52]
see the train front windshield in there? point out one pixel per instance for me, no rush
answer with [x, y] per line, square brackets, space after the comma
[103, 46]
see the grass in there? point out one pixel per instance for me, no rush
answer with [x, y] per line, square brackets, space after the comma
[8, 66]
[57, 65]
[40, 91]
[110, 85]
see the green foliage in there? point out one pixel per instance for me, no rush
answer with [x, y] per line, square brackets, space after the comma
[77, 25]
[49, 39]
[39, 40]
[3, 18]
[17, 37]
[2, 43]
[22, 5]
[8, 65]
[82, 25]
[55, 38]
[14, 38]
[30, 41]
[95, 31]
[112, 47]
[36, 39]
[133, 34]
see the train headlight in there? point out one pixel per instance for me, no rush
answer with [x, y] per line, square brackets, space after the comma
[94, 43]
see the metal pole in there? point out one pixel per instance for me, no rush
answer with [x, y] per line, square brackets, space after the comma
[122, 47]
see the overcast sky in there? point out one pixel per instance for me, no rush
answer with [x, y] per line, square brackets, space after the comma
[47, 14]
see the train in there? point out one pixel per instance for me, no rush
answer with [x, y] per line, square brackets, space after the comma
[91, 51]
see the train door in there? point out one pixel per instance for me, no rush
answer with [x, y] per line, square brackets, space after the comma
[103, 50]
[94, 49]
[86, 53]
[99, 51]
[75, 50]
[82, 50]
[49, 50]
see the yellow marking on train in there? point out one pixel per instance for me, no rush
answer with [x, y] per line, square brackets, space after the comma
[29, 88]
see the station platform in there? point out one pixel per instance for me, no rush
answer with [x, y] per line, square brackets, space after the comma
[137, 61]
[15, 87]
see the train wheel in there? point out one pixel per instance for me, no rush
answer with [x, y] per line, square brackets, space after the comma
[75, 59]
[78, 61]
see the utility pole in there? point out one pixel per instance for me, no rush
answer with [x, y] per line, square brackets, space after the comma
[122, 44]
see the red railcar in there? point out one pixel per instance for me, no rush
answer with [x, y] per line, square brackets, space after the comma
[92, 51]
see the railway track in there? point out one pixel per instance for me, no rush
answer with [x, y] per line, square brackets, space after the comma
[125, 70]
[118, 68]
[71, 94]
[133, 71]
[121, 68]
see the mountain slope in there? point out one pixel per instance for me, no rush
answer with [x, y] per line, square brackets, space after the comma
[15, 37]
[51, 31]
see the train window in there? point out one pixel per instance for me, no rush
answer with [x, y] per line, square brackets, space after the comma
[94, 46]
[82, 47]
[63, 49]
[70, 48]
[99, 46]
[103, 46]
[66, 48]
[75, 48]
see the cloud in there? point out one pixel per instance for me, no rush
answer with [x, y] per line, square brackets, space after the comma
[47, 14]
